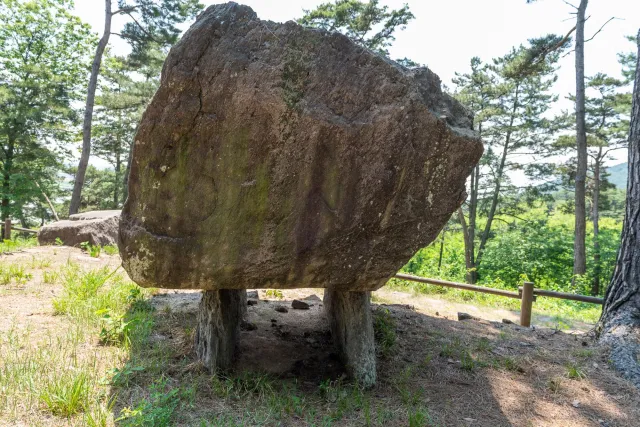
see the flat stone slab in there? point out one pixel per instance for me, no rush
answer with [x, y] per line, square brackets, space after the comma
[95, 227]
[278, 156]
[94, 215]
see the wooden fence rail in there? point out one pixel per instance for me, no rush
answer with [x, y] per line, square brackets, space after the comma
[526, 294]
[8, 227]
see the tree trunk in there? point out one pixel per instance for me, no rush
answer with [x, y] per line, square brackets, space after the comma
[441, 249]
[595, 217]
[473, 215]
[6, 180]
[125, 180]
[579, 250]
[468, 246]
[619, 325]
[117, 183]
[88, 112]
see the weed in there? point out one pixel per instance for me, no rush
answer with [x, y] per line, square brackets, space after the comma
[451, 349]
[483, 345]
[58, 242]
[384, 327]
[554, 384]
[584, 353]
[467, 362]
[40, 263]
[512, 364]
[110, 249]
[17, 244]
[575, 372]
[66, 394]
[14, 273]
[115, 329]
[274, 293]
[402, 385]
[156, 410]
[419, 417]
[93, 251]
[122, 377]
[50, 277]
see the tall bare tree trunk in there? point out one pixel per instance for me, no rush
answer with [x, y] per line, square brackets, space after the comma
[444, 231]
[88, 112]
[468, 246]
[579, 251]
[116, 189]
[125, 180]
[619, 325]
[6, 179]
[595, 217]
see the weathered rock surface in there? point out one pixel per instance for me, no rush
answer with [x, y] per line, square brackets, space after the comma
[351, 322]
[95, 227]
[277, 156]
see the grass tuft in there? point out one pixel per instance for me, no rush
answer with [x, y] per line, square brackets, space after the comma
[384, 327]
[67, 393]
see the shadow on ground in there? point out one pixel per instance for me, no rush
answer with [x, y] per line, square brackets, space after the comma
[431, 371]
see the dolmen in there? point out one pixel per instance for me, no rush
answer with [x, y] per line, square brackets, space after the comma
[278, 156]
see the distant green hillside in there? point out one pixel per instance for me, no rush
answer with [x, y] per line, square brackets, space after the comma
[618, 175]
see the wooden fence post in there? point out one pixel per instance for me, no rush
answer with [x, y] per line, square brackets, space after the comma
[526, 304]
[7, 229]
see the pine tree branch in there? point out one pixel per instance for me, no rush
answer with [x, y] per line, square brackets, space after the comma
[599, 30]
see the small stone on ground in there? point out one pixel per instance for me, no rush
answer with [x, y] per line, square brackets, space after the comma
[300, 305]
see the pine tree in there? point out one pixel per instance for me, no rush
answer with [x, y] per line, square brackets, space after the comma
[151, 24]
[124, 96]
[43, 57]
[510, 98]
[366, 23]
[477, 91]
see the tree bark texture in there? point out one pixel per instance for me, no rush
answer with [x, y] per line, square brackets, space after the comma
[6, 179]
[219, 316]
[351, 322]
[88, 112]
[619, 325]
[595, 217]
[579, 251]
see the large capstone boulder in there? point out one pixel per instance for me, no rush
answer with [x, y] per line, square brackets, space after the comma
[278, 156]
[96, 227]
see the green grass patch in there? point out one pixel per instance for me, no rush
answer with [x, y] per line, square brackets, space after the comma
[14, 274]
[110, 249]
[17, 244]
[66, 393]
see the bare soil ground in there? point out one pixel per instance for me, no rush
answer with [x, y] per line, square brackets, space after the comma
[437, 370]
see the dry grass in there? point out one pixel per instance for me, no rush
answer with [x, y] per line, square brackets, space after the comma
[54, 370]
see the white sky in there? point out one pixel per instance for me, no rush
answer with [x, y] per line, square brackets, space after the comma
[446, 34]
